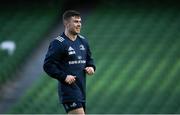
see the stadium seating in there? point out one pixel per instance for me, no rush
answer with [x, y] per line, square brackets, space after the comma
[137, 56]
[26, 28]
[42, 96]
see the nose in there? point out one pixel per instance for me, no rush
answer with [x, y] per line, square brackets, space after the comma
[79, 24]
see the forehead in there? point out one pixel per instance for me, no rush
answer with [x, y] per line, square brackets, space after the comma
[76, 18]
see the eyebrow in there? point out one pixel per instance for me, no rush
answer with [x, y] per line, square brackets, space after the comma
[77, 20]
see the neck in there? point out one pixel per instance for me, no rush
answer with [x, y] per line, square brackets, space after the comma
[70, 35]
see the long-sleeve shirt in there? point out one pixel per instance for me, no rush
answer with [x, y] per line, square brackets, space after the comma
[67, 57]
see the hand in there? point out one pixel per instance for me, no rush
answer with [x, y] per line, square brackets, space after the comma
[70, 79]
[89, 70]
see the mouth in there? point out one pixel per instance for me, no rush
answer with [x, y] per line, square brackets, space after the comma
[78, 29]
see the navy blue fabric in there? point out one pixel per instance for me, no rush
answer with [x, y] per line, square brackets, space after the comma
[69, 106]
[66, 57]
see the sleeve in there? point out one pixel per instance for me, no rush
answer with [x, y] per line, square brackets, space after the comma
[90, 60]
[50, 65]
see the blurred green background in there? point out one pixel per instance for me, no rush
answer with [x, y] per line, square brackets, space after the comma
[135, 44]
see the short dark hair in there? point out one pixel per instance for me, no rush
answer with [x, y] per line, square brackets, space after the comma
[70, 13]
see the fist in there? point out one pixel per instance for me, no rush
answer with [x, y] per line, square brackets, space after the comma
[89, 70]
[70, 79]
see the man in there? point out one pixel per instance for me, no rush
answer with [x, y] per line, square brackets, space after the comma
[68, 60]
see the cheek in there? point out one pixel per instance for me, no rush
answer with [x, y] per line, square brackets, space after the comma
[72, 26]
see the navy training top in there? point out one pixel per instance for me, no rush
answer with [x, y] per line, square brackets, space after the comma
[67, 57]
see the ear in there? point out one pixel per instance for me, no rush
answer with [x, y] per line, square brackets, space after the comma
[65, 22]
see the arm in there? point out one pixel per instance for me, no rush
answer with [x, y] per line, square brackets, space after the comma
[90, 66]
[51, 67]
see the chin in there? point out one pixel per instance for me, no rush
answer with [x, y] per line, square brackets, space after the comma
[77, 32]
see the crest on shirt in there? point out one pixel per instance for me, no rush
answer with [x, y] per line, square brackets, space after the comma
[81, 47]
[71, 51]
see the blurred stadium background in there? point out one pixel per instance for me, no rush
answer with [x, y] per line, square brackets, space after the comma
[135, 43]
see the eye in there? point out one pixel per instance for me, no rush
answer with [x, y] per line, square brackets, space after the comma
[77, 21]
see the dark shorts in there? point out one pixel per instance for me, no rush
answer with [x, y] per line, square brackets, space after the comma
[69, 106]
